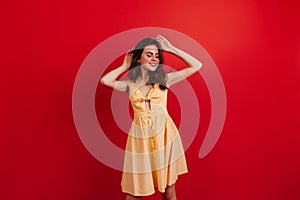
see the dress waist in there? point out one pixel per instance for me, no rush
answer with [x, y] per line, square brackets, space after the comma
[150, 113]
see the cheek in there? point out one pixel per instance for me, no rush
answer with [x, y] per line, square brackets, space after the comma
[144, 59]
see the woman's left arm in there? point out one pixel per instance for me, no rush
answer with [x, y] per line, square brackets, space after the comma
[194, 64]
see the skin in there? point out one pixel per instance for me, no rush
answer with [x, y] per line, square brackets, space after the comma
[170, 194]
[149, 59]
[110, 79]
[149, 62]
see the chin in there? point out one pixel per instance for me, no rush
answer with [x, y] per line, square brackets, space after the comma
[152, 69]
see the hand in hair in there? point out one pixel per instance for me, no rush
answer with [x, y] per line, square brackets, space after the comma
[165, 44]
[127, 60]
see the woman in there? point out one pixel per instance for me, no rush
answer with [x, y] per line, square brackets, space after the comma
[154, 155]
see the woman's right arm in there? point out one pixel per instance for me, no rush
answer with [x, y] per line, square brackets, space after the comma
[110, 79]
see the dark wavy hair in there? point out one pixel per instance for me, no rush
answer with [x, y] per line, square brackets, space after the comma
[157, 76]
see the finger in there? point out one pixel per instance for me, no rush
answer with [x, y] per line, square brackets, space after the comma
[158, 37]
[158, 40]
[161, 37]
[130, 52]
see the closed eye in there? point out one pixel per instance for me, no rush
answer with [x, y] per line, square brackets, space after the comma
[149, 54]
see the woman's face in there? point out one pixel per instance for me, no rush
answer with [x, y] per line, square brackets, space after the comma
[150, 58]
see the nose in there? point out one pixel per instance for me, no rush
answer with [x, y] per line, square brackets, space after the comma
[154, 58]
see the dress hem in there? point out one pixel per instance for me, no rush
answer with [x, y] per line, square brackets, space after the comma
[156, 187]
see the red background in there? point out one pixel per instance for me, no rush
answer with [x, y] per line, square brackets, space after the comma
[255, 45]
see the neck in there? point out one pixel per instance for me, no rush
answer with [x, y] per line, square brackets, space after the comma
[144, 75]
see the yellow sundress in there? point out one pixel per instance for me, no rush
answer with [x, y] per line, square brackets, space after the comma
[154, 155]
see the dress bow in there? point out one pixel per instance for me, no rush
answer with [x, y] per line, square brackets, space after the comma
[147, 99]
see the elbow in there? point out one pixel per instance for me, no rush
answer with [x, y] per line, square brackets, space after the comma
[199, 66]
[106, 82]
[103, 81]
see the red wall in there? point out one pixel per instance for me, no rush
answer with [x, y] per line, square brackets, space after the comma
[255, 45]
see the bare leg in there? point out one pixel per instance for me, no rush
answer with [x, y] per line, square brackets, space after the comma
[170, 193]
[130, 197]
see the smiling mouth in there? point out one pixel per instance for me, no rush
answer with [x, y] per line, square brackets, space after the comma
[153, 64]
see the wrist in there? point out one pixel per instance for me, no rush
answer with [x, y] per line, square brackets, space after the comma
[124, 67]
[173, 50]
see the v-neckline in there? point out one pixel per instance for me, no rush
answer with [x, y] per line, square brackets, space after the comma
[148, 93]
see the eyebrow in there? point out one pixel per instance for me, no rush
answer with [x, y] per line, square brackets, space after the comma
[151, 52]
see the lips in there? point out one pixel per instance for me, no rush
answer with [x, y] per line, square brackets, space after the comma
[153, 64]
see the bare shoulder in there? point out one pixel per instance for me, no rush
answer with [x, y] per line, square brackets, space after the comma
[171, 76]
[122, 85]
[177, 76]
